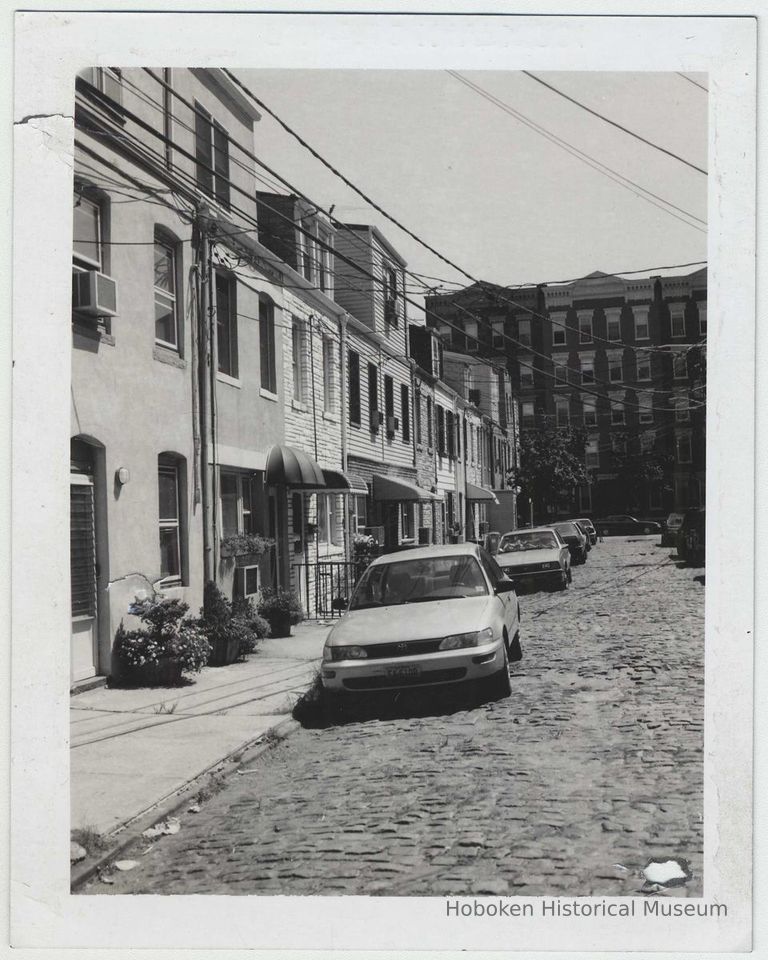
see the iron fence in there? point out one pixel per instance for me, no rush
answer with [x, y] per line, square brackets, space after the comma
[327, 585]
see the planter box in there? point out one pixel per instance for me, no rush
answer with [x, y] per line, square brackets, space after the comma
[165, 673]
[279, 624]
[224, 652]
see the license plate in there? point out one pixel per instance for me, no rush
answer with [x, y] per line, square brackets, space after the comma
[398, 673]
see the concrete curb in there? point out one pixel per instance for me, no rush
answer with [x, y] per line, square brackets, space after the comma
[174, 802]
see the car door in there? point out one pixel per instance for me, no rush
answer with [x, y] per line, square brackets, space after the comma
[508, 599]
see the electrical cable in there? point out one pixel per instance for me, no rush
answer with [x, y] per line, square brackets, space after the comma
[699, 85]
[613, 123]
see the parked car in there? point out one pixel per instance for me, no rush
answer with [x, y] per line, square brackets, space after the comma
[429, 616]
[583, 529]
[691, 537]
[589, 528]
[621, 524]
[670, 529]
[575, 538]
[535, 557]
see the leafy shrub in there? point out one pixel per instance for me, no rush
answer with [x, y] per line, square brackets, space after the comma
[227, 625]
[245, 545]
[277, 602]
[168, 635]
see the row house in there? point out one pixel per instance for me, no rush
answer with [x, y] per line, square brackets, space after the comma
[622, 357]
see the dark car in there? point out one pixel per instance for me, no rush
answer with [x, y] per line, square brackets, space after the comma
[691, 538]
[621, 524]
[589, 528]
[574, 538]
[583, 529]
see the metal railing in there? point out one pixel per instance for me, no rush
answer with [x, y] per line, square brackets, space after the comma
[327, 585]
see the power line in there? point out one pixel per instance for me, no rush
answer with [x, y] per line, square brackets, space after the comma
[699, 85]
[613, 123]
[579, 154]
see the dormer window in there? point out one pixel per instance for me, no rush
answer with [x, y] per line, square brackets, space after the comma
[391, 303]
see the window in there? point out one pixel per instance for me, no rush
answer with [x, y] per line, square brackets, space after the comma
[645, 407]
[684, 448]
[702, 318]
[390, 295]
[87, 233]
[324, 256]
[417, 415]
[592, 453]
[613, 323]
[329, 375]
[585, 328]
[169, 515]
[643, 366]
[561, 374]
[450, 435]
[326, 518]
[307, 249]
[389, 396]
[108, 80]
[237, 503]
[267, 345]
[680, 362]
[353, 379]
[524, 332]
[440, 416]
[682, 410]
[168, 116]
[619, 444]
[526, 376]
[212, 156]
[464, 438]
[359, 507]
[590, 413]
[617, 411]
[497, 328]
[297, 514]
[587, 370]
[430, 428]
[166, 311]
[226, 325]
[405, 413]
[529, 417]
[558, 330]
[615, 368]
[647, 442]
[406, 521]
[585, 499]
[373, 393]
[298, 338]
[641, 323]
[562, 412]
[677, 316]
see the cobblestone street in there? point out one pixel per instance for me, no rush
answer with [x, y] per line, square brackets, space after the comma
[568, 787]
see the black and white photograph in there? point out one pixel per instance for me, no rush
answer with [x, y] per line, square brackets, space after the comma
[400, 545]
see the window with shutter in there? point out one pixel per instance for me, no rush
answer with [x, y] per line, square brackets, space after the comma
[82, 549]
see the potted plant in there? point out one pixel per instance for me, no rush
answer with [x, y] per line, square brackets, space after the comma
[364, 549]
[280, 608]
[250, 545]
[169, 645]
[232, 629]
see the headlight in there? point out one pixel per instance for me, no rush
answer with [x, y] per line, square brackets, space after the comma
[459, 640]
[347, 653]
[550, 565]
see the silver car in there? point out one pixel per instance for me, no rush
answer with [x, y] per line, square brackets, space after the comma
[535, 557]
[431, 616]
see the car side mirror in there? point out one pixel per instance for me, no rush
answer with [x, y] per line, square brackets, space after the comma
[505, 586]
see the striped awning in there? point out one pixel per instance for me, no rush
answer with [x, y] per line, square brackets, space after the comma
[345, 482]
[481, 493]
[289, 467]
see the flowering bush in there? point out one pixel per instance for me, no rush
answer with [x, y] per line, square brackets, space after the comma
[364, 549]
[233, 629]
[168, 635]
[278, 602]
[245, 545]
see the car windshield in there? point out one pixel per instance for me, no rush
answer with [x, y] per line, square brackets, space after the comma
[566, 529]
[586, 523]
[419, 581]
[534, 540]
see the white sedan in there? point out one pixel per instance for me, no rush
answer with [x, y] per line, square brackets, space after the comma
[537, 556]
[426, 617]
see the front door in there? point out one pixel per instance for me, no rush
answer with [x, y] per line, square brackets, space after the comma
[82, 552]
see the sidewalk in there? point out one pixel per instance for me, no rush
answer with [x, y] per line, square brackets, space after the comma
[131, 748]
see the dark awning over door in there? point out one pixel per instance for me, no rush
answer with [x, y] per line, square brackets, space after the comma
[289, 467]
[345, 482]
[389, 488]
[481, 493]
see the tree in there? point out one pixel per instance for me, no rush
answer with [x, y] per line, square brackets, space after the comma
[637, 470]
[551, 464]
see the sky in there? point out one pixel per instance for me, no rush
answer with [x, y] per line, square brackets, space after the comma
[488, 192]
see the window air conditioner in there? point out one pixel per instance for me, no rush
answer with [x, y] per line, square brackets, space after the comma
[94, 293]
[248, 581]
[392, 425]
[376, 420]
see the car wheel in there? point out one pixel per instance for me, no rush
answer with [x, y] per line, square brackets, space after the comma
[564, 581]
[515, 649]
[498, 685]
